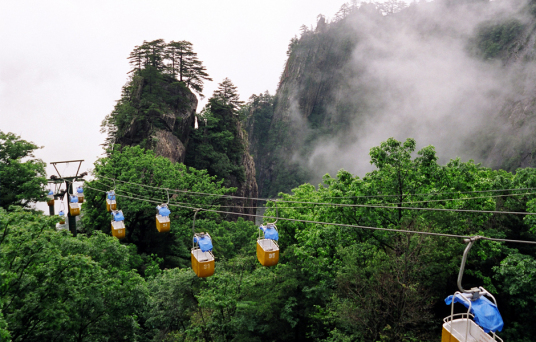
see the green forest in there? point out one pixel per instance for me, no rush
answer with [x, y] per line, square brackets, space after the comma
[332, 282]
[369, 257]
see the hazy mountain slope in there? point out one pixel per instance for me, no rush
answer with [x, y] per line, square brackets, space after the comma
[457, 75]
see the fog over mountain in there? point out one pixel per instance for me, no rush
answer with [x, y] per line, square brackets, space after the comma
[423, 81]
[449, 74]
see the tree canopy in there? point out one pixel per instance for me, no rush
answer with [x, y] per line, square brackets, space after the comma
[176, 58]
[332, 283]
[139, 166]
[22, 177]
[218, 146]
[56, 287]
[227, 94]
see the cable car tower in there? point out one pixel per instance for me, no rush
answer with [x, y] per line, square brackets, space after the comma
[69, 180]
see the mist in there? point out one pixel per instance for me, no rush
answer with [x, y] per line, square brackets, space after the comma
[416, 74]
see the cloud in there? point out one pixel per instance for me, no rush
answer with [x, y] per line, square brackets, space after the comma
[413, 74]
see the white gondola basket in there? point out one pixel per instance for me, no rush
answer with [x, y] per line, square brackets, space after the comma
[461, 327]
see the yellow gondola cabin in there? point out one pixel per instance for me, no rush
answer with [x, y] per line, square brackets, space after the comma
[482, 318]
[267, 247]
[80, 194]
[163, 223]
[463, 327]
[50, 200]
[74, 206]
[118, 224]
[110, 201]
[202, 257]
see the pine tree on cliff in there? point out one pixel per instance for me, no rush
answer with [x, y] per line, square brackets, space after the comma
[155, 52]
[227, 94]
[135, 58]
[195, 75]
[153, 92]
[176, 59]
[184, 64]
[148, 54]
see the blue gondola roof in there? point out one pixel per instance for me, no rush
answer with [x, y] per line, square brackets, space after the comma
[163, 210]
[270, 232]
[486, 313]
[118, 216]
[205, 243]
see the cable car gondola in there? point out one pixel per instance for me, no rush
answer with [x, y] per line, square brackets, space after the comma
[482, 318]
[267, 247]
[80, 194]
[61, 214]
[74, 206]
[202, 257]
[118, 224]
[50, 197]
[111, 204]
[162, 218]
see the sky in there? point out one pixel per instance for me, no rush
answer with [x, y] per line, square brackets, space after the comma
[63, 63]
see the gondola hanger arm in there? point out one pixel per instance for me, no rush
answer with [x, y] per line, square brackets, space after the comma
[469, 243]
[193, 222]
[276, 214]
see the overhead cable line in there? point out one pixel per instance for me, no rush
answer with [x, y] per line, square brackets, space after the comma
[434, 193]
[469, 198]
[396, 206]
[178, 202]
[323, 203]
[330, 223]
[201, 204]
[393, 204]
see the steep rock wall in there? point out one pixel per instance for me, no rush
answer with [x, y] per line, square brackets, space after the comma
[159, 115]
[220, 146]
[163, 126]
[460, 76]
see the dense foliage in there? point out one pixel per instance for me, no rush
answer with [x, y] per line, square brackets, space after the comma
[22, 177]
[176, 59]
[56, 287]
[494, 39]
[139, 166]
[218, 145]
[333, 283]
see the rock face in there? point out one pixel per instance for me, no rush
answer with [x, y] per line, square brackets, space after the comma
[507, 140]
[220, 146]
[376, 73]
[283, 128]
[247, 188]
[166, 125]
[161, 118]
[169, 146]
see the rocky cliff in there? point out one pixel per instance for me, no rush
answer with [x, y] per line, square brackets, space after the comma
[507, 139]
[220, 146]
[161, 125]
[459, 75]
[157, 112]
